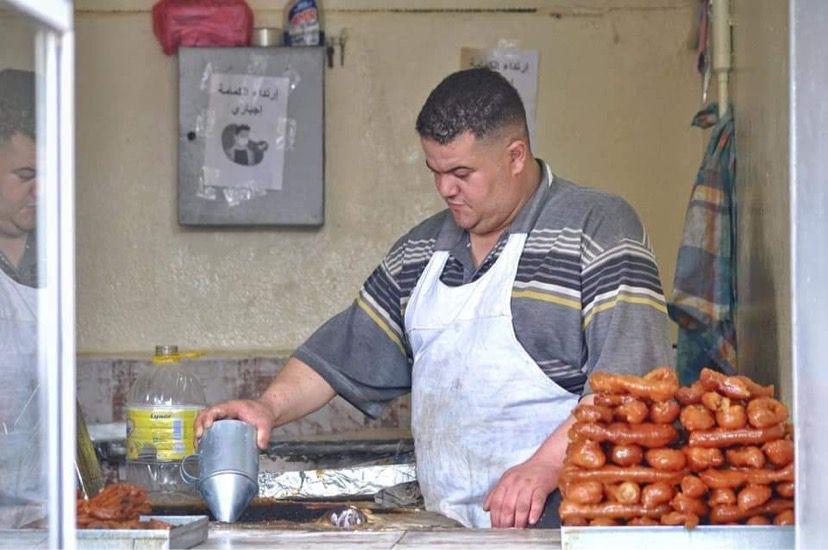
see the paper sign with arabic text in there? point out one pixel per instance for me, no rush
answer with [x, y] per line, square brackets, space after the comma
[245, 131]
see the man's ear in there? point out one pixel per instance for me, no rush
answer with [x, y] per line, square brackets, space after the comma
[518, 155]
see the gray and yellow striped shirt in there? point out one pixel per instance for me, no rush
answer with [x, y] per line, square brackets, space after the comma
[586, 297]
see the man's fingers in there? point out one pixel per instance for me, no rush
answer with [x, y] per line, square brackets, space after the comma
[506, 507]
[523, 505]
[244, 410]
[494, 504]
[507, 511]
[538, 503]
[262, 434]
[488, 502]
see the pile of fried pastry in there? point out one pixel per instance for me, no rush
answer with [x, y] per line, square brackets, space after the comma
[117, 506]
[648, 452]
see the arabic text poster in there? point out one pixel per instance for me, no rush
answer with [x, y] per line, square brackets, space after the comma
[520, 67]
[245, 131]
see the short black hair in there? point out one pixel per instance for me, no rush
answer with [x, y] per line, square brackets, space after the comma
[241, 128]
[17, 104]
[480, 101]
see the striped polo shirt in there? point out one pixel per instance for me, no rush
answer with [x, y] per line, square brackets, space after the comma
[586, 297]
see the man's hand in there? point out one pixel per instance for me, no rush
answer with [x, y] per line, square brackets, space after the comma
[519, 497]
[254, 412]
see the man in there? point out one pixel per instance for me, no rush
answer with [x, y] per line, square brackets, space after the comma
[246, 152]
[21, 483]
[18, 189]
[492, 313]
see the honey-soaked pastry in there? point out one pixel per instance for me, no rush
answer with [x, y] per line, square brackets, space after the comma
[785, 489]
[764, 412]
[785, 517]
[684, 503]
[712, 400]
[779, 452]
[730, 416]
[604, 522]
[693, 487]
[643, 522]
[701, 458]
[690, 395]
[671, 460]
[614, 510]
[592, 413]
[657, 493]
[729, 513]
[758, 520]
[722, 497]
[647, 434]
[633, 411]
[664, 412]
[658, 385]
[688, 519]
[746, 457]
[584, 492]
[752, 496]
[626, 455]
[625, 492]
[733, 478]
[728, 386]
[719, 437]
[586, 454]
[696, 417]
[617, 474]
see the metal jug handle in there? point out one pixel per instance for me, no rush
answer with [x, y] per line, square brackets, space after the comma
[189, 478]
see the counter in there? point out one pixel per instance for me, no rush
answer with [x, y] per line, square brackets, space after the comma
[227, 537]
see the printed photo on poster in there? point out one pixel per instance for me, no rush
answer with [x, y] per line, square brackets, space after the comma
[245, 134]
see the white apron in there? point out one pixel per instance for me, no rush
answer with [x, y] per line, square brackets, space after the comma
[21, 476]
[480, 403]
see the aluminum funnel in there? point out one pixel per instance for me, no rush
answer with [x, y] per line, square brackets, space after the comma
[227, 494]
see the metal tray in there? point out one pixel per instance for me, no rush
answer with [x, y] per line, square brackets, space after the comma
[678, 538]
[187, 532]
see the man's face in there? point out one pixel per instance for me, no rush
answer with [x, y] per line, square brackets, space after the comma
[473, 177]
[242, 139]
[18, 186]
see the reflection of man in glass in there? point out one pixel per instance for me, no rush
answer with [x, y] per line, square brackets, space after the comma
[20, 480]
[18, 189]
[244, 151]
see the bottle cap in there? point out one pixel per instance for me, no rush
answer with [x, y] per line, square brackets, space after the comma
[167, 349]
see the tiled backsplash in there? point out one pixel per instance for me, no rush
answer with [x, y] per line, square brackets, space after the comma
[103, 384]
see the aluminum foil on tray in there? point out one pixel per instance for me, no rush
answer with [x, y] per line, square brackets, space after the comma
[338, 483]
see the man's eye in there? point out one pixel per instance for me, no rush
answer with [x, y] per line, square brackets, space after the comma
[463, 174]
[25, 174]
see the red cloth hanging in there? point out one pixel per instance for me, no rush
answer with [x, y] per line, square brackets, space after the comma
[201, 23]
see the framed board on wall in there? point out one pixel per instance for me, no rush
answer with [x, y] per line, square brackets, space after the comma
[251, 136]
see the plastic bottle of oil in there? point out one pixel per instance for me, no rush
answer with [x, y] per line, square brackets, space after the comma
[161, 408]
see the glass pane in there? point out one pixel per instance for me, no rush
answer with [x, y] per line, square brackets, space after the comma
[23, 485]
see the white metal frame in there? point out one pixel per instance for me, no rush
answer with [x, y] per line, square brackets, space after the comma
[55, 60]
[809, 263]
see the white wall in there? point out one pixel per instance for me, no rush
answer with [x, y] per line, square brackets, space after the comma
[618, 89]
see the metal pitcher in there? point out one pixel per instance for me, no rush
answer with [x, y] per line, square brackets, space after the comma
[228, 462]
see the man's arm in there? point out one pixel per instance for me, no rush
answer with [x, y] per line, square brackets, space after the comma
[359, 354]
[624, 311]
[296, 392]
[519, 497]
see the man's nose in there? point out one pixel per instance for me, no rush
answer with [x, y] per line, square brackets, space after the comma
[446, 185]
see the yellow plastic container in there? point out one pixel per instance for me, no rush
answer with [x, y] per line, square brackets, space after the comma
[161, 409]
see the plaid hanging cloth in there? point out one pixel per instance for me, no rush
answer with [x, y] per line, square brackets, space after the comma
[704, 288]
